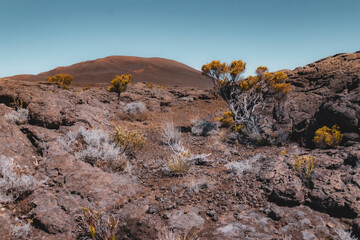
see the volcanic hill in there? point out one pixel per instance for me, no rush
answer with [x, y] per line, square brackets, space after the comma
[159, 71]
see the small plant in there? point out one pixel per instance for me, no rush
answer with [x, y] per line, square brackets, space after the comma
[95, 147]
[119, 83]
[135, 111]
[98, 225]
[195, 184]
[15, 182]
[240, 167]
[149, 85]
[345, 235]
[179, 164]
[18, 117]
[227, 119]
[129, 140]
[171, 136]
[328, 137]
[304, 165]
[17, 103]
[182, 159]
[21, 230]
[62, 80]
[170, 235]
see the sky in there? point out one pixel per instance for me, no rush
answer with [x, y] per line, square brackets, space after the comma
[39, 35]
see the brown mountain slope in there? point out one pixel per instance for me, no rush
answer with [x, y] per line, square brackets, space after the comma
[156, 70]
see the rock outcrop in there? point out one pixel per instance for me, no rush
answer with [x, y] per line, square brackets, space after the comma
[326, 92]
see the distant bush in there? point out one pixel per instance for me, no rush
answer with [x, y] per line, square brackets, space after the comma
[247, 97]
[119, 83]
[15, 182]
[328, 137]
[128, 140]
[304, 165]
[62, 80]
[95, 147]
[18, 117]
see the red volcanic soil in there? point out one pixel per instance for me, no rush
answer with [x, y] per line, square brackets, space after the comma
[155, 70]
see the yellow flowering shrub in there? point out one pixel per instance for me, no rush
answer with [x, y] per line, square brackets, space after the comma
[328, 137]
[304, 165]
[236, 68]
[119, 83]
[62, 80]
[261, 70]
[129, 140]
[248, 83]
[227, 119]
[216, 69]
[276, 81]
[245, 96]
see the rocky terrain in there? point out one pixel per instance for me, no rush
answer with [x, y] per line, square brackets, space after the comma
[232, 191]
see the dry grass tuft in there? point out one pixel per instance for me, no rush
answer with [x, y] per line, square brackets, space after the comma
[179, 165]
[15, 181]
[98, 225]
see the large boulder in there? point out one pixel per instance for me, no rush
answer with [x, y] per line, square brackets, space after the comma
[326, 92]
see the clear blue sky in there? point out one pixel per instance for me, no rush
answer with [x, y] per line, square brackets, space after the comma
[38, 35]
